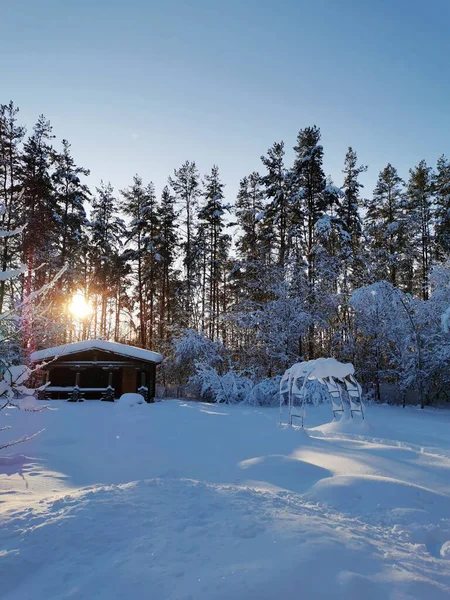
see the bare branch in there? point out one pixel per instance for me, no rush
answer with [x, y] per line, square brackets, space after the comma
[24, 438]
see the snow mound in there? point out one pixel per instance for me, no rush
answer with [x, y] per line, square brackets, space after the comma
[445, 550]
[130, 399]
[345, 425]
[368, 494]
[282, 472]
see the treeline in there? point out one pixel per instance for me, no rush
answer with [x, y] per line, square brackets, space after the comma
[312, 268]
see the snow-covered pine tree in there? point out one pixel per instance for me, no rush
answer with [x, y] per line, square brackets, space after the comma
[311, 201]
[107, 232]
[253, 244]
[70, 194]
[134, 206]
[11, 136]
[386, 227]
[43, 227]
[186, 185]
[348, 212]
[211, 217]
[151, 259]
[419, 217]
[441, 186]
[167, 247]
[277, 189]
[40, 236]
[249, 213]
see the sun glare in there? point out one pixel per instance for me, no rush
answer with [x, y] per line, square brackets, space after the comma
[79, 307]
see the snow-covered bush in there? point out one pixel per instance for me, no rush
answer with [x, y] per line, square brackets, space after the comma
[265, 393]
[402, 339]
[229, 388]
[445, 320]
[276, 324]
[192, 346]
[189, 348]
[15, 394]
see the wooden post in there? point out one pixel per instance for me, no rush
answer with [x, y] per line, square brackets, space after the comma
[143, 390]
[75, 396]
[109, 394]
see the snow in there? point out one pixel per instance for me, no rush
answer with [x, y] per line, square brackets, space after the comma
[183, 500]
[320, 368]
[95, 344]
[5, 275]
[129, 400]
[445, 320]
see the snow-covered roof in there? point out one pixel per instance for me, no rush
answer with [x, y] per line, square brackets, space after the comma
[114, 347]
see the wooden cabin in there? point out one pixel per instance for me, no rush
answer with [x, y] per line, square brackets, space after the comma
[96, 369]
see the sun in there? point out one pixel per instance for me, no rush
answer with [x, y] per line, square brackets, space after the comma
[79, 307]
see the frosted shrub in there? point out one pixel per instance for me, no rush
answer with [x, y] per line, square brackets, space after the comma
[229, 388]
[14, 394]
[265, 393]
[189, 349]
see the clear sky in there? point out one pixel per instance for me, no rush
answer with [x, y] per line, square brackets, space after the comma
[143, 85]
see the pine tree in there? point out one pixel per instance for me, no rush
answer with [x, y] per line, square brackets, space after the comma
[419, 210]
[107, 231]
[135, 206]
[385, 224]
[211, 215]
[442, 213]
[167, 246]
[277, 185]
[151, 259]
[11, 136]
[40, 237]
[185, 183]
[254, 243]
[348, 212]
[311, 200]
[70, 195]
[249, 212]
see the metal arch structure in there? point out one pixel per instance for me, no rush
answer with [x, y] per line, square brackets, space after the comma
[327, 371]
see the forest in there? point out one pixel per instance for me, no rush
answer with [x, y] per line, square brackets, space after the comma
[231, 291]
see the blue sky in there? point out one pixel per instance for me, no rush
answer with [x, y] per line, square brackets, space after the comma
[142, 86]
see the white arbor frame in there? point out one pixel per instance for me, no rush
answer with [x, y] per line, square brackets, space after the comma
[327, 371]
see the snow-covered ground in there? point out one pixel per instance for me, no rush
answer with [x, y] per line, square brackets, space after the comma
[183, 500]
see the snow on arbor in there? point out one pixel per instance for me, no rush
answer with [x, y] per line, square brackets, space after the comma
[327, 371]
